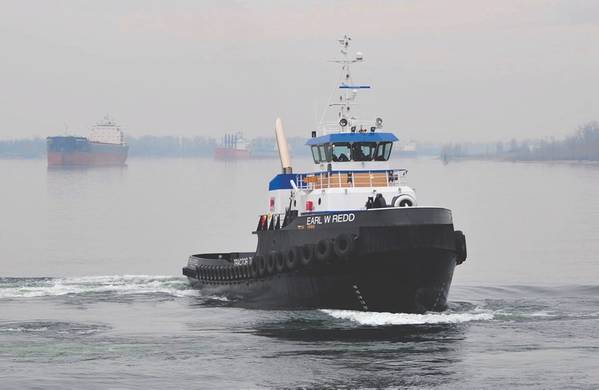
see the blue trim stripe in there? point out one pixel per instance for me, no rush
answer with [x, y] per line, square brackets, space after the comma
[353, 137]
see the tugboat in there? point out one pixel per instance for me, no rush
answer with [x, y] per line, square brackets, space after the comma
[349, 235]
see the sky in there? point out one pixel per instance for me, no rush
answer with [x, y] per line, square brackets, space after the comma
[441, 71]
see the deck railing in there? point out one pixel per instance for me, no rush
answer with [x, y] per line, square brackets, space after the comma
[349, 179]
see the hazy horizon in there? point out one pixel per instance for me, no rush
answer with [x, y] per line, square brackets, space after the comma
[461, 71]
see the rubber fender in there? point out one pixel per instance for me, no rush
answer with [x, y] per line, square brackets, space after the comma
[270, 263]
[324, 250]
[307, 254]
[291, 259]
[344, 245]
[279, 262]
[460, 247]
[261, 265]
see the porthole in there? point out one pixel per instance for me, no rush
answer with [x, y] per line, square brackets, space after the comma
[319, 201]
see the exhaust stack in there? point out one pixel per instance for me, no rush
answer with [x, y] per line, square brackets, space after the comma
[282, 146]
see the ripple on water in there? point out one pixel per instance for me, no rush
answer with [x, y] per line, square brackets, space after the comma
[52, 328]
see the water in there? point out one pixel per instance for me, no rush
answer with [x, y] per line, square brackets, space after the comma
[91, 294]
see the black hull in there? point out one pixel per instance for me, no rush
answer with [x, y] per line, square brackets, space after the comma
[402, 261]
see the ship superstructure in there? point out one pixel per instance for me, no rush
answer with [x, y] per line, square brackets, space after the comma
[348, 235]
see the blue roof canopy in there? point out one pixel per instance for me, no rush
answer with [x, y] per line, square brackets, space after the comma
[345, 86]
[353, 137]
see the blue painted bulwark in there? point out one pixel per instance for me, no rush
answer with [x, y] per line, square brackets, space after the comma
[353, 137]
[282, 182]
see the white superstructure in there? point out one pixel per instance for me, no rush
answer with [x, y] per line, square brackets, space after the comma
[351, 160]
[107, 132]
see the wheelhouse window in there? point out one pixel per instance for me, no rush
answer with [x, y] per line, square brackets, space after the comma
[341, 152]
[325, 152]
[321, 153]
[315, 154]
[363, 151]
[383, 151]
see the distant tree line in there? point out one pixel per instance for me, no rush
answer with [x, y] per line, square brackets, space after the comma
[583, 145]
[23, 148]
[169, 146]
[146, 146]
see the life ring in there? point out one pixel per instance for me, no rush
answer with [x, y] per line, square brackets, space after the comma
[344, 245]
[403, 201]
[291, 259]
[279, 261]
[460, 247]
[270, 264]
[307, 254]
[260, 265]
[323, 250]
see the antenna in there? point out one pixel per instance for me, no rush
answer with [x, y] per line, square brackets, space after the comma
[349, 90]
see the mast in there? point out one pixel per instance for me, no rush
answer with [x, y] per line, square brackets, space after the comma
[347, 96]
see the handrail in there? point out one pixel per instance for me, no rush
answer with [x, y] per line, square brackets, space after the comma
[323, 179]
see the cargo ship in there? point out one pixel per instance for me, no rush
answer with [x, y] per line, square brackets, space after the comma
[348, 234]
[104, 146]
[232, 147]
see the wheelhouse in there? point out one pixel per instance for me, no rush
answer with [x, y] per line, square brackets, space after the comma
[352, 147]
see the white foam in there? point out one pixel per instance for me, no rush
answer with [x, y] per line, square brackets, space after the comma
[379, 319]
[20, 329]
[118, 284]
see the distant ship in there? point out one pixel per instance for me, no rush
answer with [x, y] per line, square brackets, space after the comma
[105, 146]
[233, 147]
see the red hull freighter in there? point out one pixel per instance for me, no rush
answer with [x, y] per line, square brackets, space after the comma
[105, 146]
[232, 147]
